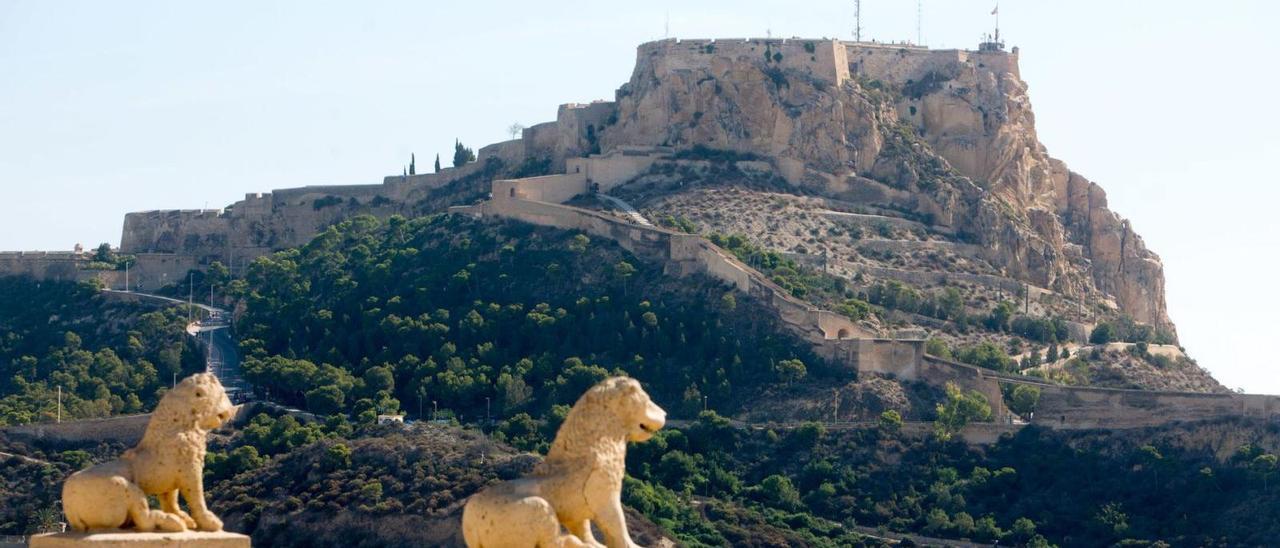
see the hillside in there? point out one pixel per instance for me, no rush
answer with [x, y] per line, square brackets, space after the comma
[108, 357]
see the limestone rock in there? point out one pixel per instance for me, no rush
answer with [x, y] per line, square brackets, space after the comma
[947, 136]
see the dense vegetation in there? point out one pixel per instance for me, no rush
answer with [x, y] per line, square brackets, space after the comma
[107, 357]
[444, 312]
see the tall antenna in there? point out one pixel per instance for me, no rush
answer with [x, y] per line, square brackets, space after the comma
[666, 26]
[857, 18]
[919, 22]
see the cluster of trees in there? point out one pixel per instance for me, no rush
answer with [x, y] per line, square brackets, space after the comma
[105, 258]
[446, 313]
[1124, 329]
[1034, 489]
[801, 282]
[106, 357]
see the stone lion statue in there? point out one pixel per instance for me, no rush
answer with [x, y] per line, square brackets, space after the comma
[168, 460]
[579, 483]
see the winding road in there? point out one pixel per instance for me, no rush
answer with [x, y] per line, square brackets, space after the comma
[222, 357]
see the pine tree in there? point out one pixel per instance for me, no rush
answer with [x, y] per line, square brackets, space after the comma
[413, 167]
[462, 155]
[437, 162]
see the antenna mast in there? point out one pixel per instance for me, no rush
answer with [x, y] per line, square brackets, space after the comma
[666, 26]
[919, 22]
[857, 18]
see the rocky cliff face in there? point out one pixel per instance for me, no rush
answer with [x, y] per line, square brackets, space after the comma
[946, 137]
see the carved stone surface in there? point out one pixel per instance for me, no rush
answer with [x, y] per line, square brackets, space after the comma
[168, 460]
[579, 483]
[133, 539]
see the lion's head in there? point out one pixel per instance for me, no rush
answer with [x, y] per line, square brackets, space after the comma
[628, 403]
[202, 398]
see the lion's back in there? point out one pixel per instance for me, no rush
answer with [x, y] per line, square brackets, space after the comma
[509, 514]
[98, 497]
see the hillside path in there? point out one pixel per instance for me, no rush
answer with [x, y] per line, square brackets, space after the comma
[626, 208]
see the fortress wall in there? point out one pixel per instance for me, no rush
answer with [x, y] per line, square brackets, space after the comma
[900, 64]
[683, 254]
[399, 187]
[308, 194]
[890, 357]
[56, 266]
[124, 429]
[541, 140]
[826, 62]
[156, 270]
[551, 189]
[42, 264]
[174, 231]
[1073, 407]
[611, 170]
[1084, 407]
[938, 372]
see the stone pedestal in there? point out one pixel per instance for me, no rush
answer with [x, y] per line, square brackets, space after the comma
[128, 539]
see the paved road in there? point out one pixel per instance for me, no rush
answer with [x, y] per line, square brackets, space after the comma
[222, 356]
[626, 209]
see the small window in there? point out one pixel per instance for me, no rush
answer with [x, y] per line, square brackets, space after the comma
[512, 192]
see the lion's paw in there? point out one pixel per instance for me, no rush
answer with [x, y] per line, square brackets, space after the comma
[187, 519]
[170, 523]
[208, 522]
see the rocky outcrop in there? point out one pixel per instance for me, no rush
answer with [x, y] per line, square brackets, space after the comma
[946, 137]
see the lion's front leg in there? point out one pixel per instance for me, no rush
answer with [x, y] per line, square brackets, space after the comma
[193, 491]
[169, 503]
[582, 530]
[613, 524]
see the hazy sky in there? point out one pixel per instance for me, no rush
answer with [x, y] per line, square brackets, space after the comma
[110, 107]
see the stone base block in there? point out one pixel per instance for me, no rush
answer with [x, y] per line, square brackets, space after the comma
[130, 539]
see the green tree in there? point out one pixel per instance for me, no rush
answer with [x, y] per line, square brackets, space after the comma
[890, 421]
[1023, 399]
[1103, 333]
[325, 400]
[778, 490]
[792, 370]
[938, 347]
[437, 163]
[959, 410]
[462, 155]
[999, 318]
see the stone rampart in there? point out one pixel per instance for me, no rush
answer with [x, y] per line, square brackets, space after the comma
[126, 429]
[904, 65]
[843, 342]
[824, 60]
[1084, 407]
[56, 266]
[681, 254]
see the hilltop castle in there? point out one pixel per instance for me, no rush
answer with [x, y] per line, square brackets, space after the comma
[168, 243]
[943, 138]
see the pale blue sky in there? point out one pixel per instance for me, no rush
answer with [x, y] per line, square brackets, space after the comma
[110, 107]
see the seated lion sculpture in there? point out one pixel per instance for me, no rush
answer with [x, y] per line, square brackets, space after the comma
[579, 483]
[169, 459]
